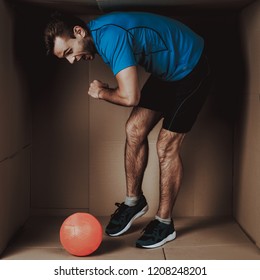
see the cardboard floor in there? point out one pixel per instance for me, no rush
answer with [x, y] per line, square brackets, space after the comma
[197, 239]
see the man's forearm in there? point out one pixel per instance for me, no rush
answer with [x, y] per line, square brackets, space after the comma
[113, 95]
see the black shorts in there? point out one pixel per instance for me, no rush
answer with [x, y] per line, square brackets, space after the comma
[180, 101]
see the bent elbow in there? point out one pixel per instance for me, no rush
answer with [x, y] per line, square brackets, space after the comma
[133, 101]
[136, 102]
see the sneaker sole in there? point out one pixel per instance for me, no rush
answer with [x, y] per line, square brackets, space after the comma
[138, 215]
[170, 237]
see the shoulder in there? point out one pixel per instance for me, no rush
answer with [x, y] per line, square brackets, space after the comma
[110, 34]
[110, 19]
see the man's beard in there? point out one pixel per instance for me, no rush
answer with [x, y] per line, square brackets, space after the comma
[89, 48]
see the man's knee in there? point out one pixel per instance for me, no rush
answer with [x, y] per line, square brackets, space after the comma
[135, 134]
[169, 144]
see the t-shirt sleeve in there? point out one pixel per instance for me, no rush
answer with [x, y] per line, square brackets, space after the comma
[116, 48]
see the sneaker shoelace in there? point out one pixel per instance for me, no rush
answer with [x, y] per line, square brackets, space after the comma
[120, 208]
[151, 227]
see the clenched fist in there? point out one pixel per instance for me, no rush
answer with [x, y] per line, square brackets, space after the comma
[95, 88]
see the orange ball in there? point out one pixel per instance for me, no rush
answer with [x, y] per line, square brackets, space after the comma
[81, 234]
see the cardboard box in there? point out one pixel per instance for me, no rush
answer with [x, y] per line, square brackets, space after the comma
[76, 144]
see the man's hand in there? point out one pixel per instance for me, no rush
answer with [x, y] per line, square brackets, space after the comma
[95, 88]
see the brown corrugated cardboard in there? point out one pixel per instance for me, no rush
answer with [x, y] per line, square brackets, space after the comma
[15, 139]
[15, 195]
[247, 176]
[15, 117]
[78, 142]
[60, 136]
[197, 238]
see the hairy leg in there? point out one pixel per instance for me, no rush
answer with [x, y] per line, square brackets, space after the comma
[171, 170]
[138, 126]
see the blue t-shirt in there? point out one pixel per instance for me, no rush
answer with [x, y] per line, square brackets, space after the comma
[163, 46]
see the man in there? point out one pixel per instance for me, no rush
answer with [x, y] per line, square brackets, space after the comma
[175, 92]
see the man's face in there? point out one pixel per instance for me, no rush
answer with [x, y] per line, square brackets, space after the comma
[75, 49]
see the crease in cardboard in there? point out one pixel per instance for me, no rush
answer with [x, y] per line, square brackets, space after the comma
[16, 153]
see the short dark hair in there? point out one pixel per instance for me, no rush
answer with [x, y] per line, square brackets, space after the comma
[60, 24]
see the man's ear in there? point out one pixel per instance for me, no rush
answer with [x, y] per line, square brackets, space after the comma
[79, 31]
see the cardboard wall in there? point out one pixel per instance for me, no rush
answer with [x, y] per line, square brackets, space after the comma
[60, 164]
[247, 138]
[60, 168]
[15, 135]
[78, 143]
